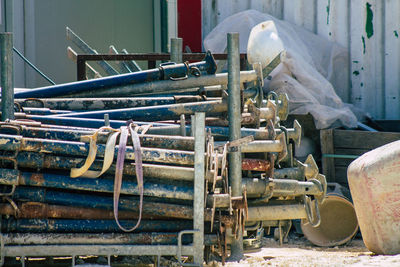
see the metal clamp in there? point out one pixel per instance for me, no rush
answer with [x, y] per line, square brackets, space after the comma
[311, 217]
[179, 252]
[34, 100]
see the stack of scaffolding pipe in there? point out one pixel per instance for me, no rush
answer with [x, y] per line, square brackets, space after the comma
[56, 136]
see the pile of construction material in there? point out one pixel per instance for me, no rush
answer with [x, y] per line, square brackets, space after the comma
[166, 161]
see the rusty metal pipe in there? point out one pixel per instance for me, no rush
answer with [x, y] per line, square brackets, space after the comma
[37, 210]
[147, 140]
[15, 177]
[80, 104]
[171, 86]
[88, 226]
[19, 143]
[35, 161]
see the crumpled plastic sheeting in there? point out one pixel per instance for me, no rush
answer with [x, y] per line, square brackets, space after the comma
[312, 65]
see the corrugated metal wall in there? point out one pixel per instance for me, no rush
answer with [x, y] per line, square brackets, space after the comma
[369, 29]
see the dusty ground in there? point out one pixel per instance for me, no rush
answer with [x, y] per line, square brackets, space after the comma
[300, 252]
[297, 252]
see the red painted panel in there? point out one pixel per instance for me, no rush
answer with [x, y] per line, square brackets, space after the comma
[189, 23]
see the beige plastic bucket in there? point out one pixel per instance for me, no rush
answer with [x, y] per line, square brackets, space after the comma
[374, 180]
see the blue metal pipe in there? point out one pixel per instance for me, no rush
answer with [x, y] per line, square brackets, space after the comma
[157, 113]
[39, 161]
[18, 143]
[156, 141]
[87, 123]
[45, 195]
[8, 176]
[89, 226]
[44, 111]
[216, 131]
[165, 72]
[85, 104]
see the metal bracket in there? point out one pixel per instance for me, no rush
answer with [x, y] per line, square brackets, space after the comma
[233, 146]
[311, 217]
[179, 251]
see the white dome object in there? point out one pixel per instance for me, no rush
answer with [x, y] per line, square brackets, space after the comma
[264, 43]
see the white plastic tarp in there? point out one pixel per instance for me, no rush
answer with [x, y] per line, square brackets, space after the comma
[313, 66]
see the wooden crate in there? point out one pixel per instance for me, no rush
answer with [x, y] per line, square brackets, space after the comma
[340, 147]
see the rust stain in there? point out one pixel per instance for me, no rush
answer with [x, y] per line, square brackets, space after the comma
[255, 165]
[37, 178]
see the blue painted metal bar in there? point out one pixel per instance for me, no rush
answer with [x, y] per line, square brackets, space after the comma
[165, 72]
[18, 143]
[159, 209]
[44, 111]
[158, 113]
[156, 141]
[87, 123]
[40, 161]
[216, 131]
[88, 226]
[76, 104]
[7, 176]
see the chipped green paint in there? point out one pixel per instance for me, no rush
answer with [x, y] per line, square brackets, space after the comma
[362, 84]
[328, 10]
[396, 34]
[356, 73]
[369, 27]
[355, 61]
[363, 41]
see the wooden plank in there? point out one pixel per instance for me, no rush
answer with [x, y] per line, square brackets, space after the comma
[328, 164]
[341, 175]
[362, 140]
[343, 162]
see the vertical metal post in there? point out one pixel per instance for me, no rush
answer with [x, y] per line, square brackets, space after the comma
[234, 116]
[176, 50]
[7, 76]
[198, 203]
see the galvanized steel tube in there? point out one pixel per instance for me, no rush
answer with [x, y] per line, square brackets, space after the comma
[234, 117]
[106, 238]
[176, 50]
[277, 212]
[169, 85]
[234, 112]
[7, 76]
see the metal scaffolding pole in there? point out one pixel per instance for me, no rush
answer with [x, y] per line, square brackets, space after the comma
[234, 116]
[7, 76]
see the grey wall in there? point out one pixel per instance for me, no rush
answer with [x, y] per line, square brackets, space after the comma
[39, 32]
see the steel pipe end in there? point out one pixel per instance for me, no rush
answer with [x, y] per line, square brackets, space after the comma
[338, 222]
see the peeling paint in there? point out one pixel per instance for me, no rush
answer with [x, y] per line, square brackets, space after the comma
[328, 10]
[356, 73]
[362, 84]
[363, 41]
[396, 34]
[355, 61]
[369, 27]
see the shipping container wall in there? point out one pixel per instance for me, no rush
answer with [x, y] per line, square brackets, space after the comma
[369, 29]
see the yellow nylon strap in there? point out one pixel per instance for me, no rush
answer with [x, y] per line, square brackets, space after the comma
[77, 172]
